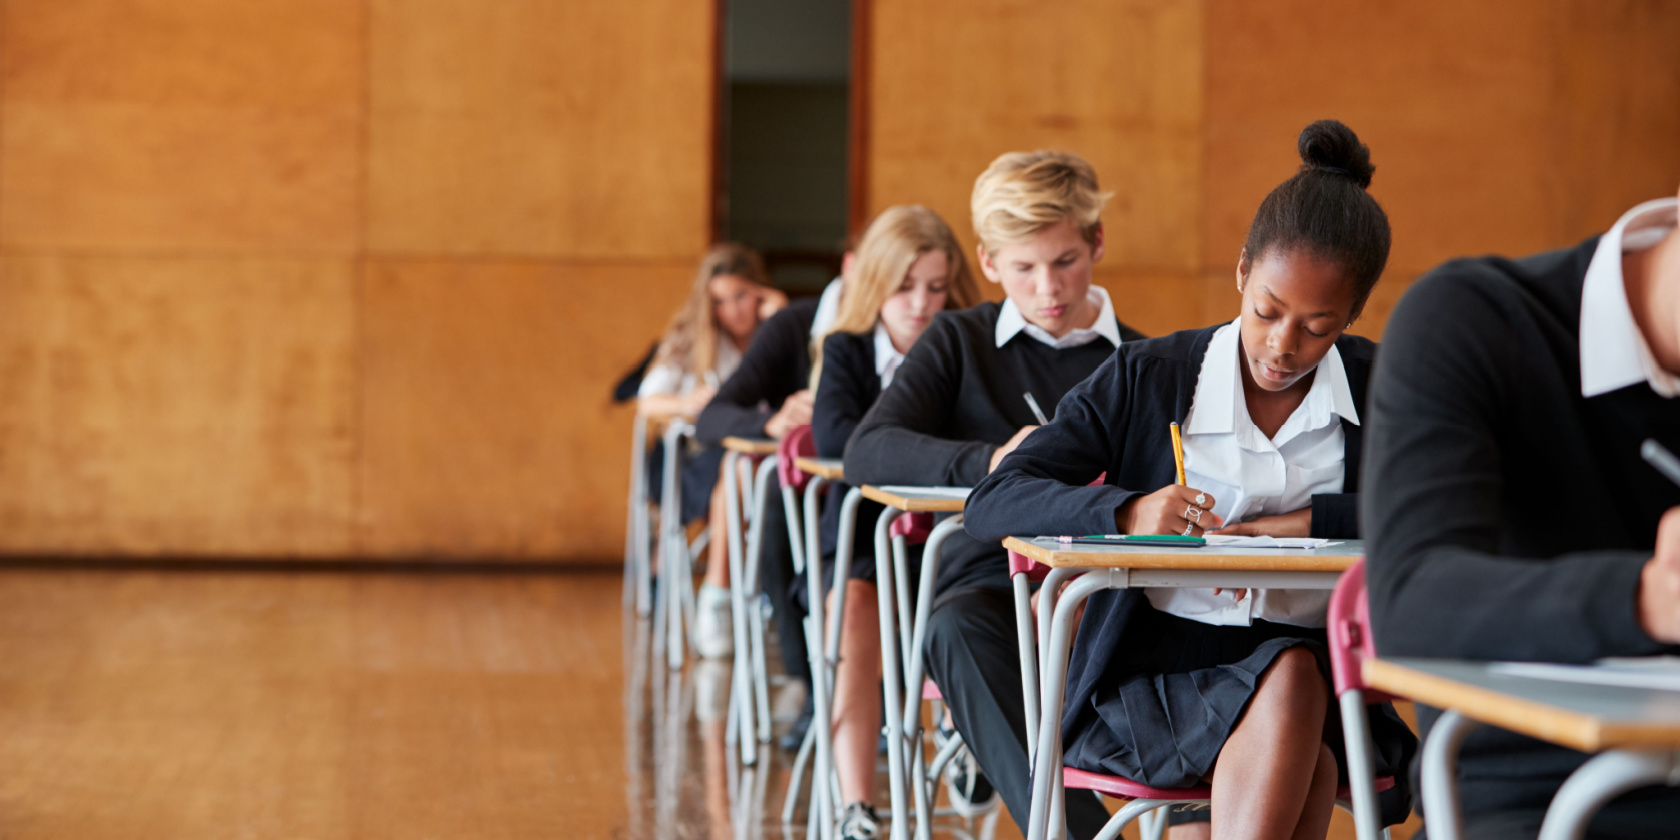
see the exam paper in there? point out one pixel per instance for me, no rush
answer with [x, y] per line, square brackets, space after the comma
[941, 492]
[1267, 542]
[1653, 672]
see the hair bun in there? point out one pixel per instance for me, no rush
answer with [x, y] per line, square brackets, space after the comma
[1331, 147]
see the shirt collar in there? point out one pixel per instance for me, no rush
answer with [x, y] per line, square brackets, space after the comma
[1614, 353]
[1219, 388]
[887, 357]
[1011, 322]
[828, 307]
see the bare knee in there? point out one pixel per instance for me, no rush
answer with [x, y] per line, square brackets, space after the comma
[1294, 679]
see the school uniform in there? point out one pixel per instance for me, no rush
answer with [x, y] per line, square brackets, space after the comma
[856, 368]
[1508, 511]
[776, 365]
[700, 464]
[1160, 677]
[955, 399]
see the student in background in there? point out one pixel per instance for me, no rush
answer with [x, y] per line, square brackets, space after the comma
[1508, 514]
[766, 398]
[702, 347]
[1173, 687]
[957, 406]
[908, 267]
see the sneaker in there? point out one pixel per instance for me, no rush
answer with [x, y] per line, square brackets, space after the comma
[966, 786]
[711, 690]
[714, 633]
[794, 738]
[859, 822]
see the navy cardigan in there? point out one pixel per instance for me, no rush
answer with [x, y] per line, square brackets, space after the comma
[1117, 421]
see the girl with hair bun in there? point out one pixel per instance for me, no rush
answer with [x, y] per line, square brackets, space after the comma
[1176, 688]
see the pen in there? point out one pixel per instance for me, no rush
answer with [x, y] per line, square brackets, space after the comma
[1658, 456]
[1178, 453]
[1037, 412]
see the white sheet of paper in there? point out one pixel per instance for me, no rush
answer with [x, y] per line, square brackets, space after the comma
[1653, 672]
[1267, 542]
[941, 492]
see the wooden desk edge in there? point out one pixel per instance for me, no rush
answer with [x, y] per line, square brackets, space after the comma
[1137, 558]
[1576, 730]
[749, 446]
[818, 467]
[893, 500]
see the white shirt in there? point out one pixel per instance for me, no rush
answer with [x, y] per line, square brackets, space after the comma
[887, 357]
[668, 380]
[1011, 321]
[1614, 353]
[1249, 475]
[828, 307]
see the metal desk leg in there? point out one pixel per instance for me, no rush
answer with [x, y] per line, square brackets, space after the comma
[1047, 765]
[889, 672]
[1604, 777]
[822, 764]
[637, 585]
[915, 667]
[741, 705]
[1440, 775]
[675, 547]
[755, 607]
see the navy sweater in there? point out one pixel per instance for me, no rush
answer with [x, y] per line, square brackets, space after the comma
[776, 364]
[849, 386]
[1507, 516]
[955, 400]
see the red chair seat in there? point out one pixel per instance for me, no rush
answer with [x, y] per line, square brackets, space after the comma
[1123, 788]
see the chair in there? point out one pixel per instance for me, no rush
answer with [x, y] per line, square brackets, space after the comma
[1346, 624]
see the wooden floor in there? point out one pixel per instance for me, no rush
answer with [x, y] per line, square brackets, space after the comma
[331, 704]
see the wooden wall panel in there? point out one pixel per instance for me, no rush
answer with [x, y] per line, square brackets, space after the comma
[540, 128]
[176, 406]
[486, 424]
[955, 83]
[181, 125]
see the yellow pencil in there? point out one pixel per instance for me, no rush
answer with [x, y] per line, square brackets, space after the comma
[1178, 453]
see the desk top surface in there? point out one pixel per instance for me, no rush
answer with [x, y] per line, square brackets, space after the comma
[918, 499]
[1585, 717]
[829, 468]
[1331, 558]
[750, 446]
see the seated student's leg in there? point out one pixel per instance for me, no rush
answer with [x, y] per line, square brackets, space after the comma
[1275, 777]
[972, 655]
[857, 700]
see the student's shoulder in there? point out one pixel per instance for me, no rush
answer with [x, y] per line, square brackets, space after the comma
[795, 317]
[847, 346]
[1184, 347]
[964, 326]
[1477, 293]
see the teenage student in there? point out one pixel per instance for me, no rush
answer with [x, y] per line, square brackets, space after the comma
[907, 268]
[1508, 514]
[701, 349]
[958, 404]
[766, 398]
[1175, 687]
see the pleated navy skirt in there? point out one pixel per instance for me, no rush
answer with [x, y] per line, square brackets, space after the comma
[1171, 694]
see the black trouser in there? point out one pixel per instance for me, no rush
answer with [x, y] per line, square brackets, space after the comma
[974, 658]
[1650, 813]
[775, 575]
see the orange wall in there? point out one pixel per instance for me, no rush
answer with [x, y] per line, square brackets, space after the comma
[1500, 126]
[328, 278]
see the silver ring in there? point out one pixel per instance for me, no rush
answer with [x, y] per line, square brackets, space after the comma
[1201, 500]
[1188, 527]
[1192, 513]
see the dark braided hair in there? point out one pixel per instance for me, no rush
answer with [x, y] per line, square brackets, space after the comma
[1324, 209]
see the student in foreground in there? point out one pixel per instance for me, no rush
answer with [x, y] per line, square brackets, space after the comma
[1508, 513]
[1176, 688]
[908, 267]
[958, 404]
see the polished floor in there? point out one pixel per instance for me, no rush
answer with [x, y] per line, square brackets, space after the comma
[277, 703]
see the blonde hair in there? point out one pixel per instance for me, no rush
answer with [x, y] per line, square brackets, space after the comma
[691, 339]
[891, 245]
[1022, 193]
